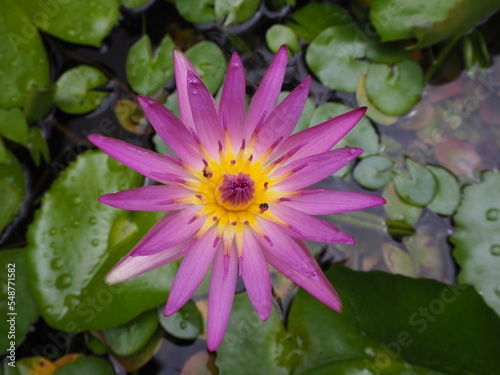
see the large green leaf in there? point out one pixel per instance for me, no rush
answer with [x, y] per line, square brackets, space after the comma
[196, 11]
[235, 11]
[82, 22]
[334, 57]
[12, 189]
[145, 73]
[427, 21]
[17, 302]
[23, 61]
[86, 365]
[75, 240]
[477, 239]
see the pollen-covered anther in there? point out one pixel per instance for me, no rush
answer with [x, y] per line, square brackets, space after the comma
[235, 192]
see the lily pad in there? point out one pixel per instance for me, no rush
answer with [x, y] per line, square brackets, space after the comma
[81, 22]
[12, 189]
[399, 261]
[373, 112]
[394, 89]
[18, 304]
[363, 135]
[196, 11]
[86, 365]
[428, 22]
[417, 185]
[135, 361]
[75, 92]
[448, 193]
[373, 172]
[334, 57]
[132, 4]
[209, 62]
[184, 324]
[397, 209]
[132, 336]
[477, 241]
[235, 11]
[145, 73]
[23, 61]
[74, 241]
[277, 35]
[13, 125]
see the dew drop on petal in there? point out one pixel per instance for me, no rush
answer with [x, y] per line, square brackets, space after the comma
[492, 214]
[195, 91]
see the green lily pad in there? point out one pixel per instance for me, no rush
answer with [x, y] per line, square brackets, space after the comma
[235, 11]
[81, 22]
[75, 92]
[417, 185]
[132, 363]
[399, 261]
[477, 241]
[363, 135]
[74, 241]
[277, 35]
[397, 209]
[373, 172]
[428, 22]
[308, 25]
[394, 89]
[39, 102]
[86, 365]
[373, 112]
[132, 4]
[185, 324]
[94, 344]
[145, 73]
[196, 11]
[13, 125]
[385, 53]
[18, 304]
[132, 336]
[448, 194]
[248, 338]
[12, 189]
[334, 55]
[37, 145]
[23, 61]
[209, 62]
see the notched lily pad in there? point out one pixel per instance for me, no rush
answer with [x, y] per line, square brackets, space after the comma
[448, 191]
[373, 172]
[184, 324]
[75, 92]
[397, 209]
[277, 35]
[416, 185]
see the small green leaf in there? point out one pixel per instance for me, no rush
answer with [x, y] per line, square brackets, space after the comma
[132, 336]
[18, 308]
[86, 365]
[197, 11]
[209, 62]
[12, 189]
[235, 11]
[74, 241]
[396, 209]
[363, 135]
[185, 324]
[81, 22]
[13, 125]
[394, 89]
[95, 344]
[277, 35]
[417, 185]
[37, 145]
[477, 241]
[448, 194]
[373, 172]
[373, 112]
[74, 92]
[334, 57]
[145, 73]
[23, 60]
[39, 102]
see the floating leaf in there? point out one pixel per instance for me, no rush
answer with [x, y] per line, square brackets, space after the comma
[75, 240]
[147, 73]
[399, 261]
[235, 11]
[397, 209]
[81, 22]
[75, 92]
[394, 89]
[373, 112]
[132, 336]
[95, 344]
[308, 25]
[384, 53]
[18, 308]
[13, 125]
[373, 172]
[278, 35]
[23, 61]
[417, 185]
[428, 22]
[12, 189]
[184, 324]
[477, 241]
[448, 191]
[334, 55]
[39, 102]
[132, 4]
[196, 11]
[135, 361]
[86, 365]
[209, 62]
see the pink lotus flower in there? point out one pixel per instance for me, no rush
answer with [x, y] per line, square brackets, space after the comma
[236, 197]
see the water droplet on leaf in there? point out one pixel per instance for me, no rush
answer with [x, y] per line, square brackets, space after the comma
[495, 250]
[53, 231]
[63, 281]
[492, 214]
[94, 242]
[56, 264]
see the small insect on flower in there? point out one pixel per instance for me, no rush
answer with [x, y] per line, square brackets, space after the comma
[236, 197]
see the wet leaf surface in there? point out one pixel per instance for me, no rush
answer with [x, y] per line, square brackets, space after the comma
[12, 189]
